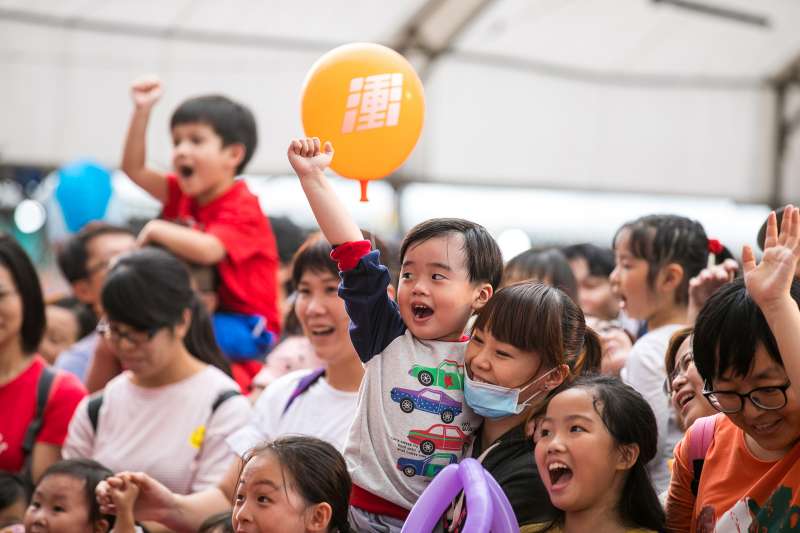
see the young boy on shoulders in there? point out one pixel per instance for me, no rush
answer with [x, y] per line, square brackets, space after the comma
[412, 420]
[209, 217]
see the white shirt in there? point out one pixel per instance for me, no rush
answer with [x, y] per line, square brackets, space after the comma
[168, 432]
[645, 371]
[321, 411]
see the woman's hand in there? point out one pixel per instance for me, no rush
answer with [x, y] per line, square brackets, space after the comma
[154, 501]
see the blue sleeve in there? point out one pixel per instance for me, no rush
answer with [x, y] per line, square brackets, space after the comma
[374, 317]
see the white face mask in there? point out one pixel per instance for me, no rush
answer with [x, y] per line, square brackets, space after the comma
[494, 401]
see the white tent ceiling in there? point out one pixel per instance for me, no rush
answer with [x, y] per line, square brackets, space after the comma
[627, 95]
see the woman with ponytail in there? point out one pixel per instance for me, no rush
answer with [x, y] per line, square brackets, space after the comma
[170, 411]
[592, 446]
[526, 341]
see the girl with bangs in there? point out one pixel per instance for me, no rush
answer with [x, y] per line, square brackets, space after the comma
[526, 341]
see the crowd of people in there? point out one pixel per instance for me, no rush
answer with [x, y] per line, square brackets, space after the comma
[209, 374]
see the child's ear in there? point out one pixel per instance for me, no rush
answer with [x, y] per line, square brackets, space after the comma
[557, 378]
[319, 517]
[483, 292]
[101, 526]
[235, 153]
[628, 455]
[391, 291]
[82, 290]
[670, 277]
[182, 327]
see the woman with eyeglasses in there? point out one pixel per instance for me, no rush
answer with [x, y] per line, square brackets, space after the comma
[170, 411]
[740, 470]
[684, 384]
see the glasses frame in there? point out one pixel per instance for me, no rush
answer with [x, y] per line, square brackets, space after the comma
[783, 388]
[105, 330]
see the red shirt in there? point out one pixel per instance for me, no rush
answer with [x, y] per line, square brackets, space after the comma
[249, 271]
[18, 401]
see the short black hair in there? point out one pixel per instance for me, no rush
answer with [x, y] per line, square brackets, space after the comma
[288, 237]
[87, 321]
[91, 473]
[12, 490]
[19, 265]
[664, 239]
[73, 256]
[547, 265]
[484, 259]
[217, 523]
[727, 330]
[599, 260]
[232, 121]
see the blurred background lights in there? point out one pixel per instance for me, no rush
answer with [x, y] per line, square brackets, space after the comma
[513, 242]
[29, 216]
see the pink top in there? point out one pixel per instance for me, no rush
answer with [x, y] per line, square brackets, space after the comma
[168, 432]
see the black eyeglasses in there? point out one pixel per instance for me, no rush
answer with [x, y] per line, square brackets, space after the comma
[729, 402]
[113, 334]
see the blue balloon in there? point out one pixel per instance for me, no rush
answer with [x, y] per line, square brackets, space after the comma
[83, 192]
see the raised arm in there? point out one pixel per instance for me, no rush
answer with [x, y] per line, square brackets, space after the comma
[309, 163]
[769, 284]
[145, 93]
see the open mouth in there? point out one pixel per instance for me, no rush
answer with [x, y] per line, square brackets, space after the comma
[560, 474]
[684, 399]
[422, 311]
[322, 331]
[185, 171]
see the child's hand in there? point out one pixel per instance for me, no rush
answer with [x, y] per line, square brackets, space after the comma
[123, 492]
[307, 158]
[146, 91]
[706, 283]
[770, 281]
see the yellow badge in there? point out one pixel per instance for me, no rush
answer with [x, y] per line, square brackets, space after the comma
[197, 436]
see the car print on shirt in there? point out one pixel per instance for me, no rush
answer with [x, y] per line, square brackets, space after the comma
[428, 400]
[438, 437]
[449, 375]
[428, 467]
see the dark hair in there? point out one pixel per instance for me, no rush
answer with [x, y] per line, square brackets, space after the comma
[91, 473]
[664, 239]
[232, 121]
[532, 316]
[150, 289]
[630, 420]
[315, 255]
[73, 256]
[12, 490]
[600, 261]
[547, 265]
[317, 471]
[288, 236]
[483, 257]
[26, 280]
[86, 318]
[217, 523]
[727, 330]
[672, 351]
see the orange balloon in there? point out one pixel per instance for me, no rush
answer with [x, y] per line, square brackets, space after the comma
[368, 101]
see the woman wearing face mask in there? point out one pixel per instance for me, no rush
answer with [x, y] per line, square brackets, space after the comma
[524, 342]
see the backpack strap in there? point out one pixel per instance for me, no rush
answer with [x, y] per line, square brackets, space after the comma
[93, 408]
[43, 387]
[302, 386]
[222, 397]
[700, 438]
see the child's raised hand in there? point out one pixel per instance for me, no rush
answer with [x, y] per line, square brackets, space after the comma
[307, 158]
[146, 91]
[770, 280]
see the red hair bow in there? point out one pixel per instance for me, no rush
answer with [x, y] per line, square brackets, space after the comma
[714, 246]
